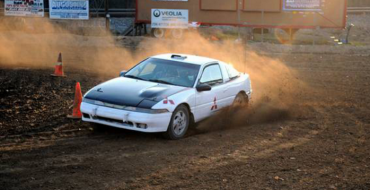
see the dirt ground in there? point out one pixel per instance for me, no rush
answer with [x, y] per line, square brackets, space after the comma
[325, 146]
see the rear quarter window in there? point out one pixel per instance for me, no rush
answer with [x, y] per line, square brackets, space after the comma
[212, 75]
[232, 72]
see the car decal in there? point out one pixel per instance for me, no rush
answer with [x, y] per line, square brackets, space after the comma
[214, 106]
[166, 100]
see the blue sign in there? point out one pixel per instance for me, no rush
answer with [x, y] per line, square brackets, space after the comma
[69, 9]
[303, 5]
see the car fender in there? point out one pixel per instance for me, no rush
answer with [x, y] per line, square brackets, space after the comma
[170, 103]
[247, 86]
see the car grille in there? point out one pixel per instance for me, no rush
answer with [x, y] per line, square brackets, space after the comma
[127, 123]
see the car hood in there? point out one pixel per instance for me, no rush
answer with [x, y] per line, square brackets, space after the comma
[132, 92]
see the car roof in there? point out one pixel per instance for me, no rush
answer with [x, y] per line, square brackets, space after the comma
[193, 59]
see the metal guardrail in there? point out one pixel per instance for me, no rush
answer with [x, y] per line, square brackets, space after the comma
[131, 12]
[114, 12]
[358, 9]
[99, 12]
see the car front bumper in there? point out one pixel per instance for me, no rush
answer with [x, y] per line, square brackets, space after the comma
[137, 121]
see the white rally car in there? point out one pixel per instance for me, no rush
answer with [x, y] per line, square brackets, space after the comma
[165, 93]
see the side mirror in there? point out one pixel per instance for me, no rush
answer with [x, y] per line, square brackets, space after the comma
[122, 73]
[203, 87]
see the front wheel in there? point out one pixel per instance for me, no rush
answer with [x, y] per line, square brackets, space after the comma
[98, 127]
[179, 123]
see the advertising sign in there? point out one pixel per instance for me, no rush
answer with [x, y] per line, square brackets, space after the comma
[69, 9]
[31, 8]
[303, 5]
[170, 18]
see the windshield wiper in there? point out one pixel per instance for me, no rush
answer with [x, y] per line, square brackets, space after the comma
[134, 77]
[161, 81]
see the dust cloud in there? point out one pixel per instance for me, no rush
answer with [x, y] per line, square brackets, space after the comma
[37, 42]
[277, 96]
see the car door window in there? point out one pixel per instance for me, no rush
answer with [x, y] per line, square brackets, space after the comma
[211, 75]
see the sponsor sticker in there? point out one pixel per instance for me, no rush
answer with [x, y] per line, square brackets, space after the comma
[303, 5]
[170, 18]
[69, 9]
[29, 8]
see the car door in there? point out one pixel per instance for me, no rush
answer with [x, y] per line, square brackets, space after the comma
[209, 102]
[233, 86]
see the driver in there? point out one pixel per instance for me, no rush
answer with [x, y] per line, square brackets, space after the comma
[172, 72]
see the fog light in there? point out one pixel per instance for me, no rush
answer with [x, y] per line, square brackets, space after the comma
[142, 126]
[85, 115]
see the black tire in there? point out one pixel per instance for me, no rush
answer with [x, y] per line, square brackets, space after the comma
[98, 127]
[180, 117]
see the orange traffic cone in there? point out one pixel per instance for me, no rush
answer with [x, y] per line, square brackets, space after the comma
[58, 72]
[77, 103]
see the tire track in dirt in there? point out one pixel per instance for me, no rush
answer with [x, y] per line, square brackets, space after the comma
[323, 148]
[246, 152]
[40, 140]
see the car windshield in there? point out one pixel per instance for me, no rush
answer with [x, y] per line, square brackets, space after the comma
[165, 71]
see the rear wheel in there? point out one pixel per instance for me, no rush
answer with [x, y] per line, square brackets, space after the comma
[179, 123]
[241, 100]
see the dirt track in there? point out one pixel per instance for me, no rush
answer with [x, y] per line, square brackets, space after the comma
[325, 146]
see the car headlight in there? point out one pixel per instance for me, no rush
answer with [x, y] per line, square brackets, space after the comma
[127, 108]
[158, 111]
